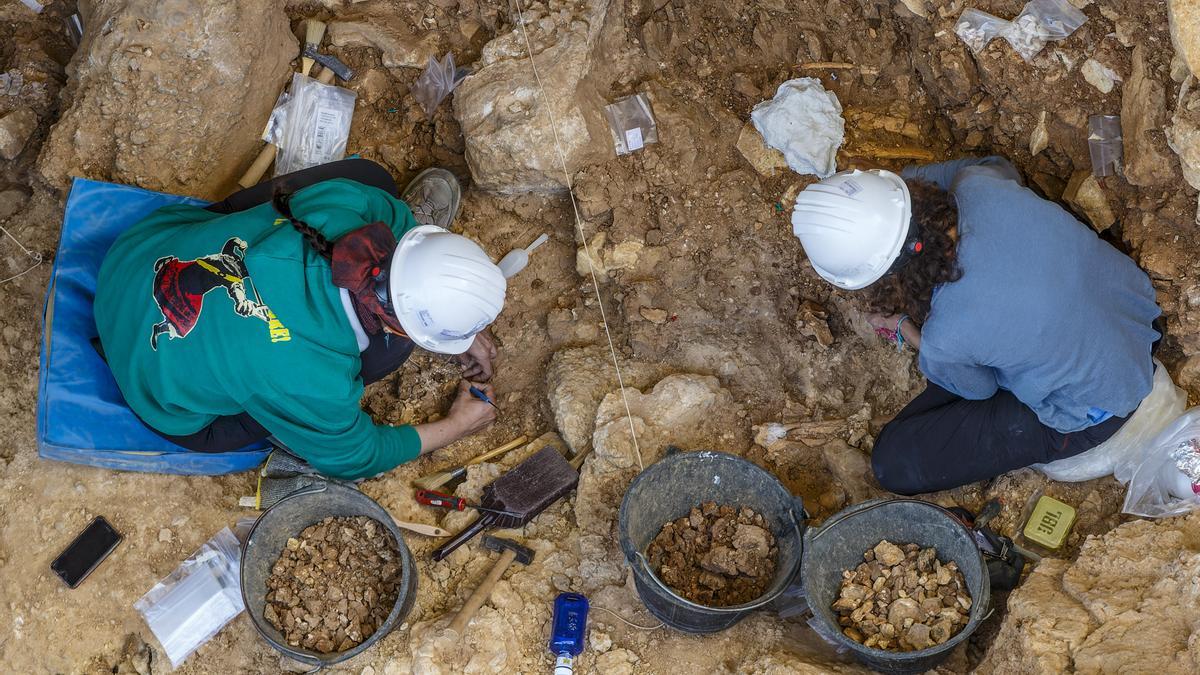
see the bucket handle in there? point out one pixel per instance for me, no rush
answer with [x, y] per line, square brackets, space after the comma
[317, 486]
[805, 516]
[867, 506]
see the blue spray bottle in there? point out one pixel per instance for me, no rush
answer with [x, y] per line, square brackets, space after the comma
[568, 631]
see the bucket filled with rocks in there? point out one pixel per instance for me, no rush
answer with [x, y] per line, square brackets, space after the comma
[710, 537]
[326, 574]
[898, 583]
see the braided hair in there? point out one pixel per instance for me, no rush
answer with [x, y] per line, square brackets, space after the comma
[281, 199]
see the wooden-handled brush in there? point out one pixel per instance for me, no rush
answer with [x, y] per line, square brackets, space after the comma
[436, 480]
[314, 33]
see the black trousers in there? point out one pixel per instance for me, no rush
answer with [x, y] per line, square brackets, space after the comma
[384, 354]
[941, 441]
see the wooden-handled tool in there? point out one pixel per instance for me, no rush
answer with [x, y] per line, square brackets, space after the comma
[267, 155]
[422, 528]
[436, 480]
[528, 489]
[509, 551]
[314, 33]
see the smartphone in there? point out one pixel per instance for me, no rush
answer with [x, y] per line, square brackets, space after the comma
[86, 553]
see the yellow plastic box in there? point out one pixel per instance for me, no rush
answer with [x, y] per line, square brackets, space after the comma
[1050, 522]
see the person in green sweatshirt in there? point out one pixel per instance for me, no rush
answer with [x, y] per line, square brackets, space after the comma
[264, 315]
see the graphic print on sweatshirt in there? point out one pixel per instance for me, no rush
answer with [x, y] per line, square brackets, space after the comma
[180, 287]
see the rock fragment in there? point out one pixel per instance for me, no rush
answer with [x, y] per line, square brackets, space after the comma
[888, 553]
[1184, 19]
[1085, 193]
[1040, 138]
[1143, 114]
[1183, 137]
[902, 598]
[767, 161]
[654, 315]
[398, 47]
[510, 145]
[15, 129]
[12, 200]
[1099, 75]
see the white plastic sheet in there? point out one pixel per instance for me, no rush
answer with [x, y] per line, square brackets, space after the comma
[1158, 487]
[804, 122]
[194, 602]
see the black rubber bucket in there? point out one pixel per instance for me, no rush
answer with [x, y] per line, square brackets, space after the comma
[668, 490]
[286, 519]
[839, 545]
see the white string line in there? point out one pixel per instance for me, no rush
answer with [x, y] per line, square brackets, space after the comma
[37, 257]
[579, 226]
[627, 622]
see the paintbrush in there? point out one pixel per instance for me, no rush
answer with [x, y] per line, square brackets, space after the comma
[434, 481]
[314, 32]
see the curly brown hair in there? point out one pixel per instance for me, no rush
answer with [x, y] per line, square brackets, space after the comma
[907, 287]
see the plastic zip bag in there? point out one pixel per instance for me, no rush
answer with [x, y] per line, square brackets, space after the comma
[435, 84]
[631, 122]
[1105, 144]
[274, 130]
[978, 28]
[194, 602]
[1165, 480]
[1125, 448]
[1040, 22]
[316, 127]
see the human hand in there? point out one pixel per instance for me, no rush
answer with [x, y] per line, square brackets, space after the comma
[885, 322]
[469, 414]
[477, 360]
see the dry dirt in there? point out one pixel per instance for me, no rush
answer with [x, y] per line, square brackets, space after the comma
[716, 555]
[704, 279]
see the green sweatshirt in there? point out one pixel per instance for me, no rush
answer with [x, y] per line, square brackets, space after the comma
[203, 315]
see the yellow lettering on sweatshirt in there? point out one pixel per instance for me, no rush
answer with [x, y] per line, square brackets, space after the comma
[279, 333]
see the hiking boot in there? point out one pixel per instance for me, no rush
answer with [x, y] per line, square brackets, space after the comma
[434, 196]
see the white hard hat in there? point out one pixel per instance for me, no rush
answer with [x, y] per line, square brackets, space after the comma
[853, 225]
[444, 289]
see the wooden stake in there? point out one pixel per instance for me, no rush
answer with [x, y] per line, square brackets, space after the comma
[872, 151]
[837, 65]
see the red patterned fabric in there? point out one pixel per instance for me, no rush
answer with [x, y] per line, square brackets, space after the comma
[356, 258]
[180, 307]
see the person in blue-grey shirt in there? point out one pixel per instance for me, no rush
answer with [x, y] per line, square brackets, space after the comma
[1035, 335]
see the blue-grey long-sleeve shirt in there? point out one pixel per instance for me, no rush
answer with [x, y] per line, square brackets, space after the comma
[1044, 308]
